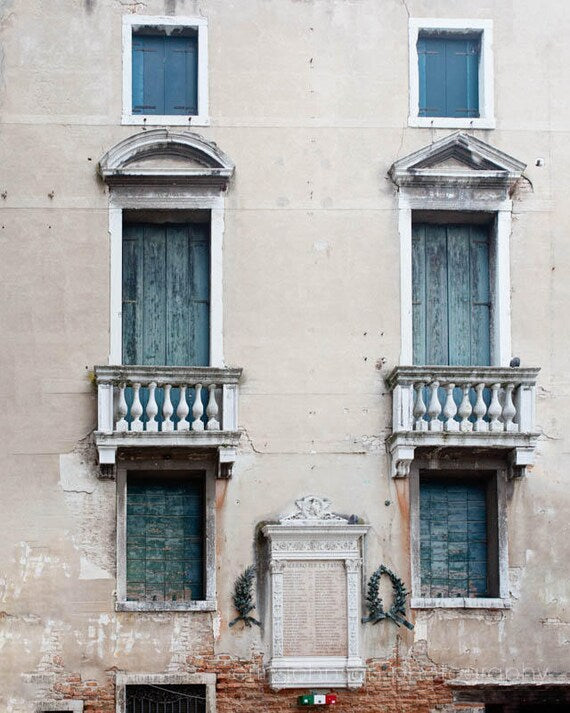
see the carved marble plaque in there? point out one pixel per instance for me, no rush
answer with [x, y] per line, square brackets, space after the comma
[314, 608]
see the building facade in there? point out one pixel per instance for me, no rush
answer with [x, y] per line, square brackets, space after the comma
[284, 356]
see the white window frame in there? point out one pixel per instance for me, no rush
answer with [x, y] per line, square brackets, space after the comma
[132, 22]
[499, 272]
[486, 120]
[502, 601]
[159, 466]
[122, 680]
[167, 198]
[66, 705]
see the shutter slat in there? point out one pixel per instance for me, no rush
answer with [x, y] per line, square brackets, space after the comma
[181, 72]
[436, 295]
[200, 268]
[132, 294]
[458, 285]
[418, 294]
[431, 65]
[480, 296]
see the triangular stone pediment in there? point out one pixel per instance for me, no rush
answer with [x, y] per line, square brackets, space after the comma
[162, 156]
[458, 158]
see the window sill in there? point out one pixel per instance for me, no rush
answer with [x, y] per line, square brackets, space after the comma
[449, 122]
[165, 120]
[203, 605]
[460, 603]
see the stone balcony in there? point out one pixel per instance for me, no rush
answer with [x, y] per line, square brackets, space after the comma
[167, 407]
[462, 407]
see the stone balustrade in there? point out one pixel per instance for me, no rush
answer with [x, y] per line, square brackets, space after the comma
[489, 407]
[165, 406]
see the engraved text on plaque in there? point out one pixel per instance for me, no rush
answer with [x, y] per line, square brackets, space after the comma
[314, 608]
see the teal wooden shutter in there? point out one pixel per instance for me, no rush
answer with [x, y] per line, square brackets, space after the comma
[165, 539]
[148, 74]
[448, 70]
[181, 75]
[432, 76]
[450, 295]
[164, 74]
[166, 294]
[453, 539]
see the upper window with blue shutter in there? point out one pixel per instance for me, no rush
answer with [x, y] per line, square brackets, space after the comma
[451, 74]
[165, 71]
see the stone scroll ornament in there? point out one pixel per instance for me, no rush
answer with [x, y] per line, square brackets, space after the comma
[376, 610]
[243, 598]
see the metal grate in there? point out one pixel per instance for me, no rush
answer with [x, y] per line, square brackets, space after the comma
[154, 698]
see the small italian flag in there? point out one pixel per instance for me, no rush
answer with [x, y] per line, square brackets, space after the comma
[317, 699]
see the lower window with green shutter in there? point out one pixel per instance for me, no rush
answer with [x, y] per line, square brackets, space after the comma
[165, 537]
[458, 535]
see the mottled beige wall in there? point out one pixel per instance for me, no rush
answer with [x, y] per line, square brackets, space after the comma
[309, 98]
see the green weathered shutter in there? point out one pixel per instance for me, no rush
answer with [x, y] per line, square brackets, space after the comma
[432, 77]
[450, 294]
[448, 76]
[166, 294]
[164, 74]
[165, 539]
[453, 539]
[148, 74]
[181, 75]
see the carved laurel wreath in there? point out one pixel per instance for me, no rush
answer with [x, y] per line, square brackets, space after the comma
[374, 602]
[243, 597]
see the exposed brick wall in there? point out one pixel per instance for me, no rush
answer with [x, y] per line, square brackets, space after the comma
[97, 696]
[410, 685]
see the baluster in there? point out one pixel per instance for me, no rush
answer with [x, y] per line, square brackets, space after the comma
[450, 410]
[182, 411]
[480, 410]
[509, 410]
[465, 411]
[197, 410]
[434, 408]
[136, 408]
[495, 409]
[167, 410]
[122, 408]
[420, 423]
[212, 410]
[151, 408]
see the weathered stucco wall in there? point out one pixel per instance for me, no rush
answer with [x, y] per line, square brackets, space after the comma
[310, 100]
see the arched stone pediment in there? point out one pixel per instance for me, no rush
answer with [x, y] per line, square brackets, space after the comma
[164, 156]
[457, 159]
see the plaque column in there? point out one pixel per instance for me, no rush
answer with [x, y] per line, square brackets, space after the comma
[352, 586]
[277, 567]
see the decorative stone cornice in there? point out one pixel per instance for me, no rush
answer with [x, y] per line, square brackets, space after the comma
[457, 159]
[164, 156]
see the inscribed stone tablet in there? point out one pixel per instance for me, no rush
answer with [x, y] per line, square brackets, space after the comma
[314, 609]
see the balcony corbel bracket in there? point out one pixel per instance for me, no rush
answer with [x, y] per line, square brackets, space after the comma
[226, 460]
[520, 459]
[401, 460]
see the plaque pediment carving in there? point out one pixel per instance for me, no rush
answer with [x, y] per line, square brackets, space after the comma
[312, 509]
[458, 158]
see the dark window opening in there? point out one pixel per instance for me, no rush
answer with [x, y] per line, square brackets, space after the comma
[158, 698]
